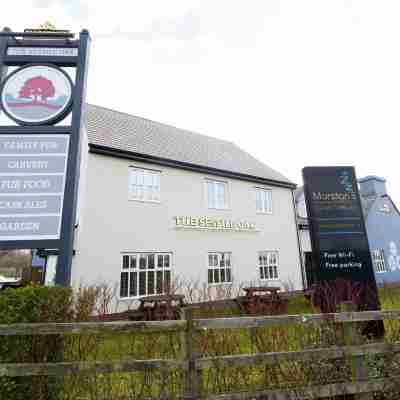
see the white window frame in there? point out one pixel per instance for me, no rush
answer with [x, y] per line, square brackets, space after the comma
[146, 173]
[216, 268]
[301, 207]
[378, 258]
[268, 265]
[264, 209]
[133, 269]
[227, 194]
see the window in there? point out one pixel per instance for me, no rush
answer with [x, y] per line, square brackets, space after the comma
[264, 201]
[385, 208]
[301, 207]
[219, 268]
[217, 193]
[378, 258]
[145, 274]
[268, 265]
[144, 185]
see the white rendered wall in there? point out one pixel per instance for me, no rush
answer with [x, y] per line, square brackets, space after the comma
[112, 224]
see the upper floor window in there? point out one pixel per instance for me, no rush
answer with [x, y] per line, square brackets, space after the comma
[264, 201]
[378, 259]
[217, 194]
[144, 185]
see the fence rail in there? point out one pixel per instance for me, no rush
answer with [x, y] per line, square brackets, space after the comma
[60, 328]
[193, 363]
[81, 328]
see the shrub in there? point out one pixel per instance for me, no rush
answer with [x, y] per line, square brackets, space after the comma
[25, 305]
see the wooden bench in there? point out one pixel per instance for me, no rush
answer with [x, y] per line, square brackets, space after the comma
[159, 307]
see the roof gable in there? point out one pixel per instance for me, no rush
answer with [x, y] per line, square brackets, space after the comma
[384, 205]
[123, 132]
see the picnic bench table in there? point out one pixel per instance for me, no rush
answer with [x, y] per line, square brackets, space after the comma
[257, 290]
[262, 300]
[159, 307]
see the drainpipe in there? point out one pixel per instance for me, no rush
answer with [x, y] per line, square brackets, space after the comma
[299, 242]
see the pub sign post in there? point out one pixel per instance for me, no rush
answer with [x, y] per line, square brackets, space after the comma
[42, 93]
[337, 228]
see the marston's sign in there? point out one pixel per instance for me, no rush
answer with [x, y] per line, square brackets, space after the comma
[37, 95]
[191, 222]
[338, 234]
[32, 181]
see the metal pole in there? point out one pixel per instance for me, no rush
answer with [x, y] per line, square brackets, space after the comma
[64, 262]
[3, 49]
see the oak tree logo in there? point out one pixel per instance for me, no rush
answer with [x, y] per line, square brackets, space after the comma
[37, 94]
[39, 89]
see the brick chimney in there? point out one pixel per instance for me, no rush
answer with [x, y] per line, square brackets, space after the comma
[372, 185]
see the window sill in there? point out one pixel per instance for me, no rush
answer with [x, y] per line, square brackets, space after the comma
[269, 279]
[264, 213]
[220, 209]
[220, 284]
[146, 201]
[137, 298]
[128, 298]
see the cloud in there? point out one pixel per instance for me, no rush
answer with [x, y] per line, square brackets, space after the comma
[186, 37]
[43, 3]
[178, 52]
[74, 8]
[182, 27]
[222, 18]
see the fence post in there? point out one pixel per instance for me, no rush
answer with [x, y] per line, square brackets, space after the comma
[352, 336]
[194, 376]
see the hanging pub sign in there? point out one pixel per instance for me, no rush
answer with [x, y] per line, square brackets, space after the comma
[37, 95]
[43, 79]
[338, 235]
[32, 181]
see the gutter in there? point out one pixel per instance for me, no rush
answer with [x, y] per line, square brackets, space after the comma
[108, 151]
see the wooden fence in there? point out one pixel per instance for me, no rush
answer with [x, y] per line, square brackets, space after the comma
[194, 363]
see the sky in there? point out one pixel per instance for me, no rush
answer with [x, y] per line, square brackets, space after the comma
[293, 82]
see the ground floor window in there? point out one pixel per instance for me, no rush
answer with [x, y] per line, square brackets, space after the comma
[145, 274]
[378, 258]
[268, 265]
[219, 268]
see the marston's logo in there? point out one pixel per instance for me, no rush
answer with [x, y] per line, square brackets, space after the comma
[37, 94]
[320, 196]
[345, 180]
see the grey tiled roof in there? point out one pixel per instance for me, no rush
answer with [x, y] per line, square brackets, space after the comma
[120, 131]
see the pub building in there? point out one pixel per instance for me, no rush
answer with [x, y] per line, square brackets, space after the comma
[159, 204]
